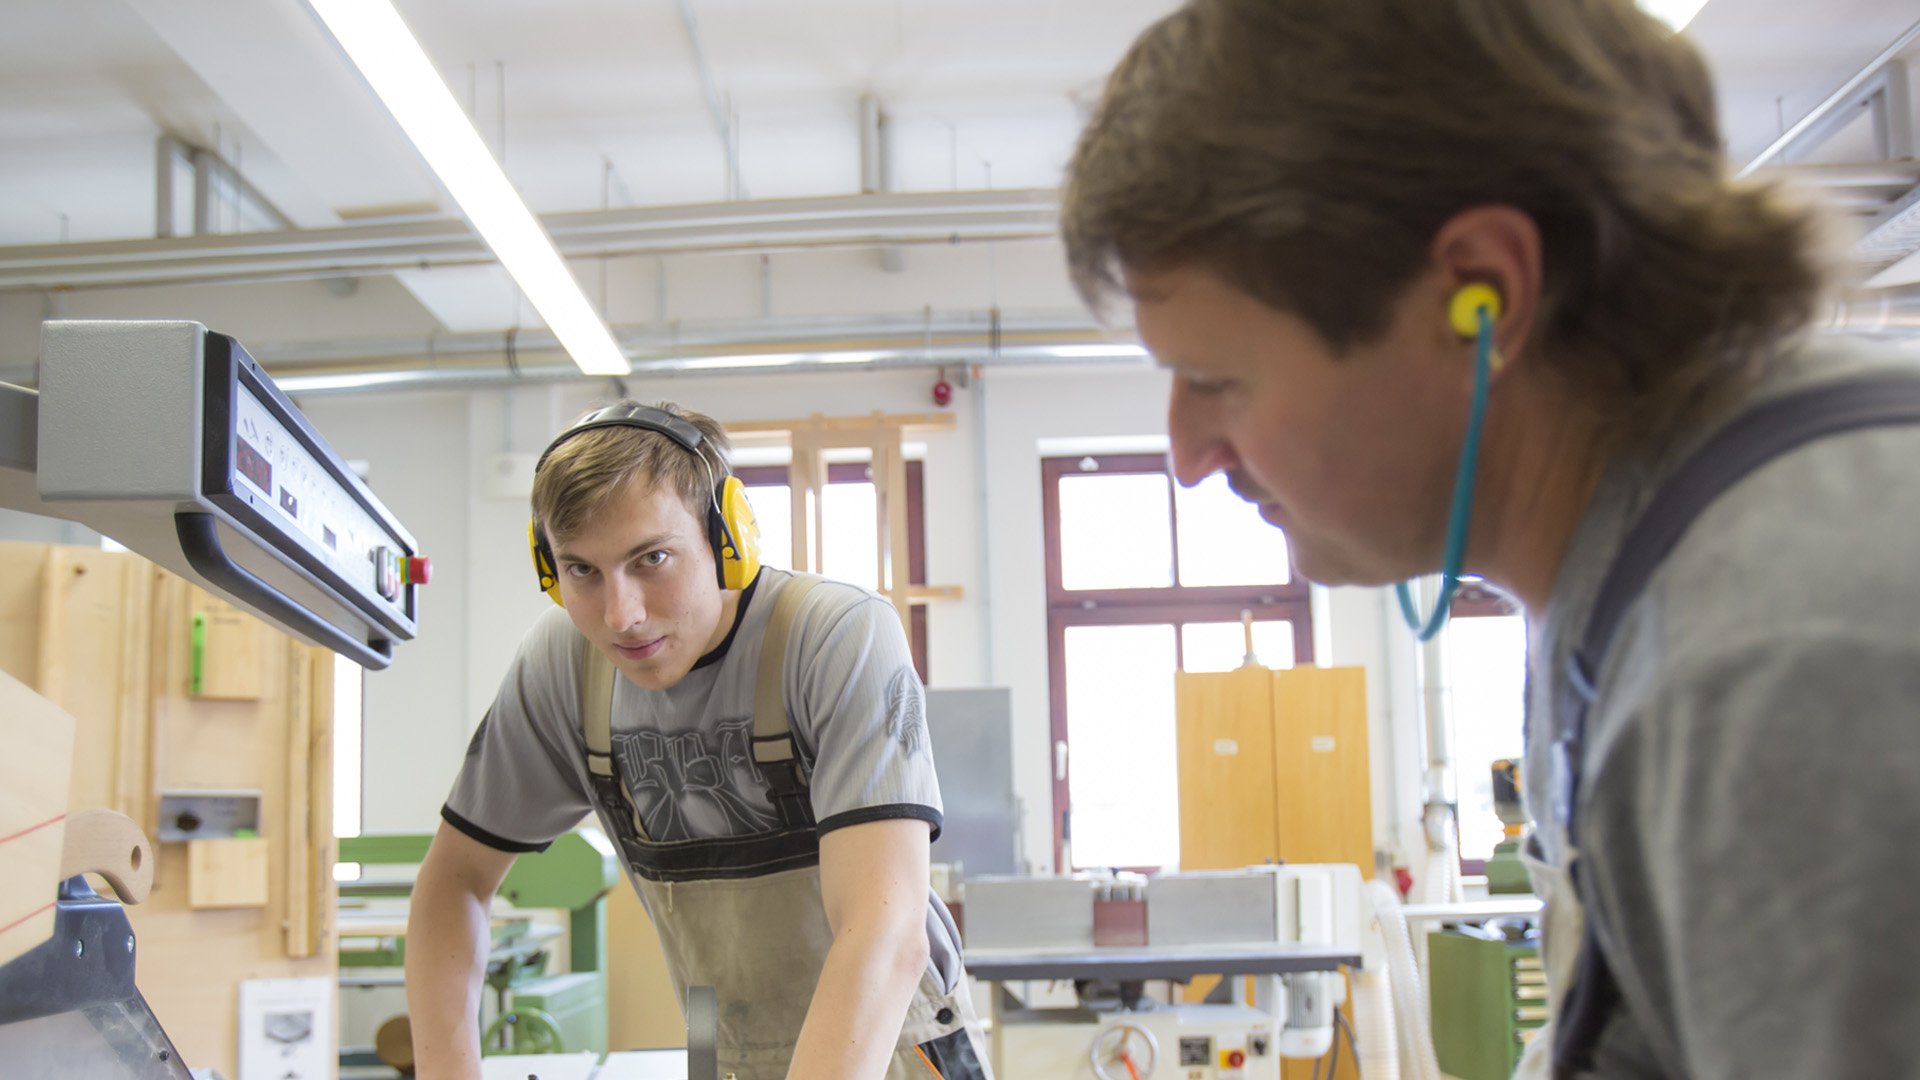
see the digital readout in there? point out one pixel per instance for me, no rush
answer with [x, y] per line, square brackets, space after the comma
[254, 466]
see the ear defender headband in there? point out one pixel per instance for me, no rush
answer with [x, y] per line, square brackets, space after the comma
[731, 530]
[1471, 313]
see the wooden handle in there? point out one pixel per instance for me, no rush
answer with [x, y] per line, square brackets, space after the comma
[108, 843]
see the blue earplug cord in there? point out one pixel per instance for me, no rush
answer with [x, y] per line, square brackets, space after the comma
[1462, 510]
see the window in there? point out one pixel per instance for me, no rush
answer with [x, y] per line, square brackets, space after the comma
[850, 520]
[1146, 578]
[1487, 673]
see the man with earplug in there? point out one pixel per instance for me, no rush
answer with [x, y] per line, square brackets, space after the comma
[1465, 287]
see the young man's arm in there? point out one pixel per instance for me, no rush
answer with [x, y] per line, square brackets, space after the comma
[447, 942]
[873, 877]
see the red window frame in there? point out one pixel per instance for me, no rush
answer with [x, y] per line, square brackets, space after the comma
[1176, 604]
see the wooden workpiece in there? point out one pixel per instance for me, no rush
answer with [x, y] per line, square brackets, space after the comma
[33, 802]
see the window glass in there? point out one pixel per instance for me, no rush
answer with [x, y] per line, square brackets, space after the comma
[1487, 671]
[1116, 532]
[1224, 540]
[773, 509]
[349, 720]
[1123, 770]
[852, 538]
[1223, 646]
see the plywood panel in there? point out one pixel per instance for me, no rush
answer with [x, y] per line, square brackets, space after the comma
[1224, 733]
[33, 801]
[227, 873]
[231, 647]
[1321, 775]
[642, 1013]
[110, 634]
[316, 937]
[133, 749]
[85, 618]
[22, 571]
[192, 961]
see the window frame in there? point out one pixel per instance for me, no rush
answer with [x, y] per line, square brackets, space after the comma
[861, 472]
[1174, 604]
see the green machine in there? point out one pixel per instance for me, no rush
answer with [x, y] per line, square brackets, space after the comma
[1488, 995]
[535, 1012]
[1487, 988]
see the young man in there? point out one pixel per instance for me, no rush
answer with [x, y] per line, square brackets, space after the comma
[755, 743]
[1465, 286]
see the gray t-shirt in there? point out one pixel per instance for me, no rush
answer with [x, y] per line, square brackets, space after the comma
[856, 706]
[1750, 802]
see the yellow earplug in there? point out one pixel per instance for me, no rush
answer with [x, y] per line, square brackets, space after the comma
[1464, 311]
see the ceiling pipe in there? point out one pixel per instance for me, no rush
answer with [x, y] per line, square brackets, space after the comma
[768, 225]
[876, 168]
[1886, 313]
[964, 338]
[961, 338]
[725, 124]
[1848, 93]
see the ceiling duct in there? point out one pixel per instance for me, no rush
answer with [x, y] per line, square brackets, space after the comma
[764, 225]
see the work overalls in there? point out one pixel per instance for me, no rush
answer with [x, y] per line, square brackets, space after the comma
[1582, 994]
[744, 914]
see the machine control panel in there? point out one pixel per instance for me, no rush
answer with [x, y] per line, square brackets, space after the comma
[172, 440]
[279, 476]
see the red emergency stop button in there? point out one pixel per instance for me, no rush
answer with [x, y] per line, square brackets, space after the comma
[1236, 1058]
[419, 569]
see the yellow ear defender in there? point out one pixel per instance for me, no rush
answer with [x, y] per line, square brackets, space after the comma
[543, 563]
[1464, 311]
[731, 530]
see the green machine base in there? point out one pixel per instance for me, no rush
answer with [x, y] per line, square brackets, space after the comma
[556, 1014]
[1488, 996]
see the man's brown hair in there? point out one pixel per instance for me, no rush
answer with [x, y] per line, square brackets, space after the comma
[1309, 150]
[585, 472]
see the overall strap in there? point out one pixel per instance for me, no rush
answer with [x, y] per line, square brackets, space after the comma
[1755, 438]
[596, 708]
[1752, 440]
[775, 753]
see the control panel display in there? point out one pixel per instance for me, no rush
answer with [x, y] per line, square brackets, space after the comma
[284, 477]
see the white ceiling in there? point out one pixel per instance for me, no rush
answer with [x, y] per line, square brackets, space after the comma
[596, 103]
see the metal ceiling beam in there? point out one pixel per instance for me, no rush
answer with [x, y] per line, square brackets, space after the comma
[1837, 101]
[763, 225]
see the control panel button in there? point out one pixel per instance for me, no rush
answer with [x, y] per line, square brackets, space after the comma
[386, 572]
[419, 570]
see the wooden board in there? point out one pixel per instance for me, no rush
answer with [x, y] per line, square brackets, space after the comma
[193, 959]
[1322, 790]
[86, 618]
[38, 738]
[227, 873]
[233, 663]
[111, 634]
[22, 569]
[1224, 725]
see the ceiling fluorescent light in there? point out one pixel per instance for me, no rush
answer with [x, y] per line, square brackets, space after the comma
[378, 42]
[353, 380]
[721, 363]
[1675, 13]
[1115, 351]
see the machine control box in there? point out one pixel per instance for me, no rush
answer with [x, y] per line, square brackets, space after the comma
[172, 440]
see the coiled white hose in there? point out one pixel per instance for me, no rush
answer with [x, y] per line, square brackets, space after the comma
[1373, 1023]
[1409, 999]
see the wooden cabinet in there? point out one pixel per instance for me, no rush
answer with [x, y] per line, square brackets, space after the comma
[1274, 767]
[109, 638]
